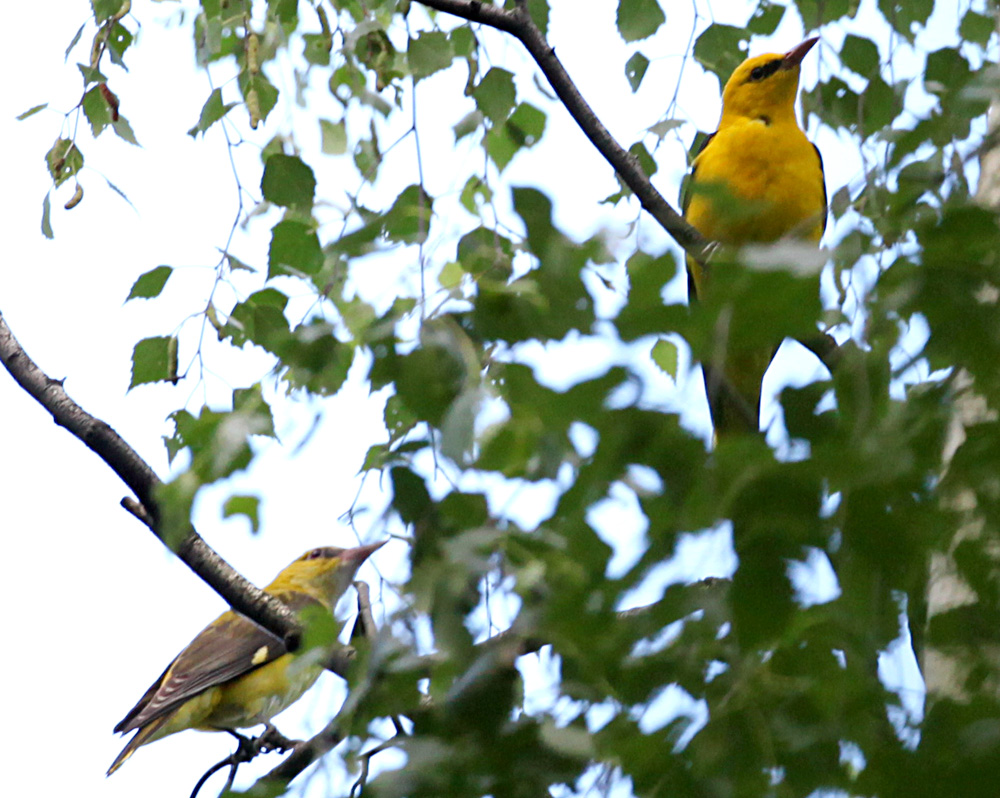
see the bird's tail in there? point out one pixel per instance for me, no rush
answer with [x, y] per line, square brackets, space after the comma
[141, 737]
[734, 391]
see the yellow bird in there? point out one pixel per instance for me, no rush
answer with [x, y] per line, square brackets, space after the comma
[756, 179]
[236, 674]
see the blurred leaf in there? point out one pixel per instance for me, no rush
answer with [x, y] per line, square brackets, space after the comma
[765, 19]
[429, 52]
[860, 55]
[248, 506]
[211, 112]
[294, 248]
[47, 218]
[664, 355]
[334, 136]
[906, 16]
[64, 160]
[635, 70]
[495, 94]
[288, 181]
[154, 360]
[31, 112]
[638, 19]
[720, 49]
[150, 284]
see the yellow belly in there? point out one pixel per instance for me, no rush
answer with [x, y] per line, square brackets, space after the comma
[263, 693]
[247, 701]
[756, 183]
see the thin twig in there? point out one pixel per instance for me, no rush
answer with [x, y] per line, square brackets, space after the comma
[518, 22]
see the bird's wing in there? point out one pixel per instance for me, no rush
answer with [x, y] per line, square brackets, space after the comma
[701, 141]
[226, 649]
[822, 175]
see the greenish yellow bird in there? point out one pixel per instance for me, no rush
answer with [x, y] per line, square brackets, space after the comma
[236, 674]
[773, 186]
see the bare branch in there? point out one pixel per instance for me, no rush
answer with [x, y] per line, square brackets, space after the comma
[518, 23]
[241, 595]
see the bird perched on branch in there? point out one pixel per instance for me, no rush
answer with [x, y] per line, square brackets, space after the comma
[236, 674]
[757, 179]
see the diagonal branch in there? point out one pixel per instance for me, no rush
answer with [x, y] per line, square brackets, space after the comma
[241, 595]
[518, 22]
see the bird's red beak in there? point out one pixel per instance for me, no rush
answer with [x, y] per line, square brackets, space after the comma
[361, 553]
[794, 56]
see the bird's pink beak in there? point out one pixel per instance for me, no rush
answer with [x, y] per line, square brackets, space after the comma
[361, 553]
[794, 56]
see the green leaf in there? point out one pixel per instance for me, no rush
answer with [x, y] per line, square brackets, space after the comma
[664, 355]
[635, 70]
[260, 319]
[64, 160]
[75, 40]
[211, 112]
[124, 130]
[260, 96]
[977, 28]
[154, 360]
[248, 506]
[31, 112]
[879, 106]
[526, 125]
[409, 218]
[765, 19]
[288, 181]
[906, 15]
[664, 126]
[318, 47]
[399, 419]
[376, 52]
[860, 55]
[646, 161]
[475, 192]
[174, 499]
[720, 49]
[105, 9]
[91, 75]
[96, 109]
[334, 137]
[638, 19]
[294, 249]
[429, 52]
[119, 40]
[468, 124]
[495, 94]
[47, 218]
[539, 12]
[150, 284]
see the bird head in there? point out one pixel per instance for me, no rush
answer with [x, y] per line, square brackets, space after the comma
[764, 87]
[324, 573]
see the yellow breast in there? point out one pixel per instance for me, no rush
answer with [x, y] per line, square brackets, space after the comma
[756, 182]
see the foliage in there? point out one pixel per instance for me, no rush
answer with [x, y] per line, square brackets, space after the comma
[790, 687]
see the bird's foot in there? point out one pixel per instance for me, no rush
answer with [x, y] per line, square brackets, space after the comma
[274, 740]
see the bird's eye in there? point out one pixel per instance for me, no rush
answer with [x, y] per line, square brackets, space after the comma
[757, 73]
[314, 554]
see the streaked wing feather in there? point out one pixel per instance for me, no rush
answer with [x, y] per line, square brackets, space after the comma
[223, 651]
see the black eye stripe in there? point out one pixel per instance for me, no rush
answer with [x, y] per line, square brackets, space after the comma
[765, 70]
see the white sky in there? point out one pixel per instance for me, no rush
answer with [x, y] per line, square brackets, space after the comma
[99, 606]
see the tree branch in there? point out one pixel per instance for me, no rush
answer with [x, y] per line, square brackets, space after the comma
[518, 23]
[241, 595]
